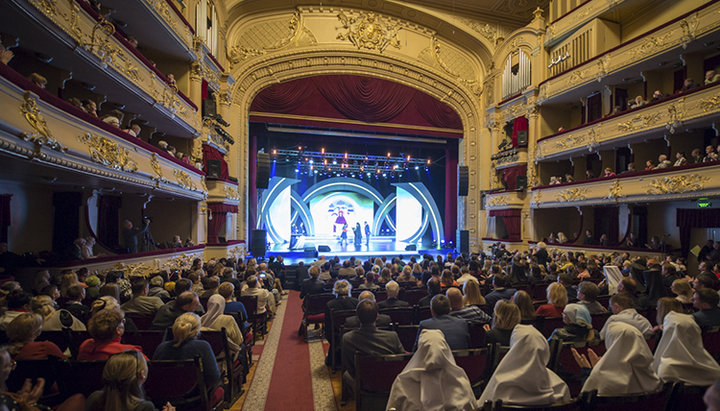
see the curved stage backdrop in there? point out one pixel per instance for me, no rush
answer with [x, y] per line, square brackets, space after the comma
[340, 212]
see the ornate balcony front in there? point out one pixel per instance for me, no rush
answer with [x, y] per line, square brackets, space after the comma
[220, 191]
[566, 24]
[505, 199]
[676, 183]
[651, 120]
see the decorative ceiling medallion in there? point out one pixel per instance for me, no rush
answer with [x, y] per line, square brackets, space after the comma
[677, 184]
[108, 153]
[368, 31]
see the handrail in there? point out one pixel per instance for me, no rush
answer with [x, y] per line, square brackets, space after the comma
[175, 9]
[110, 258]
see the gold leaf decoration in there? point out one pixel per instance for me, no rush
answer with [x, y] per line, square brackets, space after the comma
[572, 194]
[42, 135]
[537, 198]
[231, 193]
[710, 104]
[615, 191]
[677, 184]
[639, 122]
[184, 180]
[494, 201]
[108, 153]
[368, 31]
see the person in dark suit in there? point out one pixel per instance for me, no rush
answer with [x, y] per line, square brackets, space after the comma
[131, 236]
[383, 320]
[311, 285]
[342, 301]
[455, 329]
[499, 291]
[392, 289]
[706, 301]
[434, 288]
[367, 340]
[541, 253]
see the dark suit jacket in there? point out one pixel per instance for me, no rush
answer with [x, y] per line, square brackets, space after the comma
[368, 340]
[497, 295]
[707, 318]
[455, 330]
[310, 286]
[425, 301]
[340, 303]
[383, 320]
[79, 311]
[392, 303]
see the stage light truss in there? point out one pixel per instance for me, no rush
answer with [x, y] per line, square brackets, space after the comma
[346, 162]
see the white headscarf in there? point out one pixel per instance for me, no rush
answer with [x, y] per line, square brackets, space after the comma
[431, 380]
[626, 367]
[522, 376]
[577, 314]
[680, 355]
[215, 308]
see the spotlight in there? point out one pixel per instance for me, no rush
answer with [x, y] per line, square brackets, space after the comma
[274, 151]
[322, 150]
[417, 167]
[297, 170]
[428, 161]
[311, 162]
[334, 162]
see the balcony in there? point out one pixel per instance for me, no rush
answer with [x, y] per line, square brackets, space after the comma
[642, 53]
[509, 158]
[675, 183]
[140, 264]
[221, 191]
[646, 122]
[38, 126]
[598, 250]
[98, 55]
[505, 199]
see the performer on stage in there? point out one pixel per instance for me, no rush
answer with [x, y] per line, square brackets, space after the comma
[367, 233]
[357, 231]
[343, 235]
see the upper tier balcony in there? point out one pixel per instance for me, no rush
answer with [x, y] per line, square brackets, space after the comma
[653, 120]
[500, 200]
[89, 47]
[70, 146]
[684, 34]
[675, 183]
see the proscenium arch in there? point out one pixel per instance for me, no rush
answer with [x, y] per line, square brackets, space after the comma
[272, 68]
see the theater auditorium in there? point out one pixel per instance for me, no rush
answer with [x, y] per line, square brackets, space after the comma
[359, 204]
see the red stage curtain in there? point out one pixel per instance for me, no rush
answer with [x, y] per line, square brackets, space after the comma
[511, 174]
[215, 226]
[519, 124]
[511, 218]
[211, 153]
[222, 208]
[366, 99]
[435, 112]
[283, 98]
[689, 218]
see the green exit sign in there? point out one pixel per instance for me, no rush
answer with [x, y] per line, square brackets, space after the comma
[704, 202]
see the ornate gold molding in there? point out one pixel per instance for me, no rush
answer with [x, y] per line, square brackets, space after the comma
[677, 184]
[42, 135]
[155, 165]
[183, 179]
[536, 199]
[366, 30]
[640, 121]
[108, 153]
[296, 30]
[572, 194]
[105, 48]
[615, 191]
[472, 84]
[710, 104]
[494, 201]
[231, 193]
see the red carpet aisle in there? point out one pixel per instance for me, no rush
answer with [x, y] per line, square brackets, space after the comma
[291, 374]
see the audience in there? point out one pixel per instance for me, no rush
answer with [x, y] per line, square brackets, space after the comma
[506, 316]
[557, 297]
[454, 329]
[106, 327]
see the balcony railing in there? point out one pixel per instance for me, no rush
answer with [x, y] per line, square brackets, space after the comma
[597, 249]
[566, 24]
[138, 264]
[505, 199]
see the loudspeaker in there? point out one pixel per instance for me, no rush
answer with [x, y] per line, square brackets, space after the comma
[411, 247]
[257, 243]
[309, 251]
[214, 168]
[462, 242]
[521, 183]
[522, 138]
[323, 249]
[262, 175]
[463, 180]
[209, 107]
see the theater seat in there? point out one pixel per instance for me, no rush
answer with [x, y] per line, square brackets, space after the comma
[633, 402]
[572, 405]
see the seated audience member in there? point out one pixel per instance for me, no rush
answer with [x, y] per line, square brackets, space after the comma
[93, 290]
[353, 321]
[392, 289]
[710, 154]
[466, 276]
[499, 291]
[626, 366]
[447, 279]
[680, 159]
[623, 311]
[431, 380]
[54, 320]
[265, 298]
[658, 95]
[346, 271]
[638, 102]
[688, 84]
[705, 300]
[367, 340]
[210, 285]
[215, 320]
[569, 178]
[227, 291]
[609, 172]
[711, 77]
[22, 332]
[506, 316]
[369, 283]
[455, 329]
[472, 294]
[434, 288]
[681, 288]
[342, 301]
[18, 302]
[157, 290]
[186, 346]
[578, 325]
[186, 302]
[649, 165]
[106, 327]
[525, 304]
[696, 156]
[665, 306]
[469, 313]
[38, 80]
[557, 297]
[311, 285]
[5, 54]
[663, 162]
[124, 375]
[630, 168]
[561, 237]
[680, 355]
[587, 295]
[522, 377]
[75, 297]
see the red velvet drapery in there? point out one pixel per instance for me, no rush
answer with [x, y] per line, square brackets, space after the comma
[364, 98]
[519, 124]
[689, 218]
[511, 218]
[222, 208]
[219, 216]
[511, 174]
[283, 98]
[211, 153]
[435, 112]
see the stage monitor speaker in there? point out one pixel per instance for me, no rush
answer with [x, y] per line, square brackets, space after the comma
[257, 243]
[463, 181]
[323, 248]
[214, 168]
[521, 183]
[309, 251]
[463, 241]
[262, 175]
[522, 138]
[411, 247]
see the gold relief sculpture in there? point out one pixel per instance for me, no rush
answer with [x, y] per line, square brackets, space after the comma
[710, 104]
[572, 194]
[108, 153]
[203, 184]
[689, 27]
[131, 270]
[104, 47]
[368, 31]
[677, 184]
[485, 30]
[615, 191]
[640, 121]
[41, 136]
[460, 63]
[675, 115]
[297, 32]
[494, 201]
[155, 165]
[575, 77]
[231, 193]
[225, 98]
[183, 179]
[537, 198]
[650, 45]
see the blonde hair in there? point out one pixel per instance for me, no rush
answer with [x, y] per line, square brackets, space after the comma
[681, 286]
[666, 305]
[185, 327]
[122, 376]
[102, 303]
[68, 280]
[557, 295]
[472, 296]
[43, 305]
[23, 329]
[507, 315]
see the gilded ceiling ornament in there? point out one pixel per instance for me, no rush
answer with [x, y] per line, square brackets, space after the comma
[677, 184]
[494, 201]
[368, 31]
[640, 121]
[710, 104]
[615, 191]
[572, 194]
[474, 85]
[297, 33]
[108, 153]
[41, 136]
[183, 179]
[485, 30]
